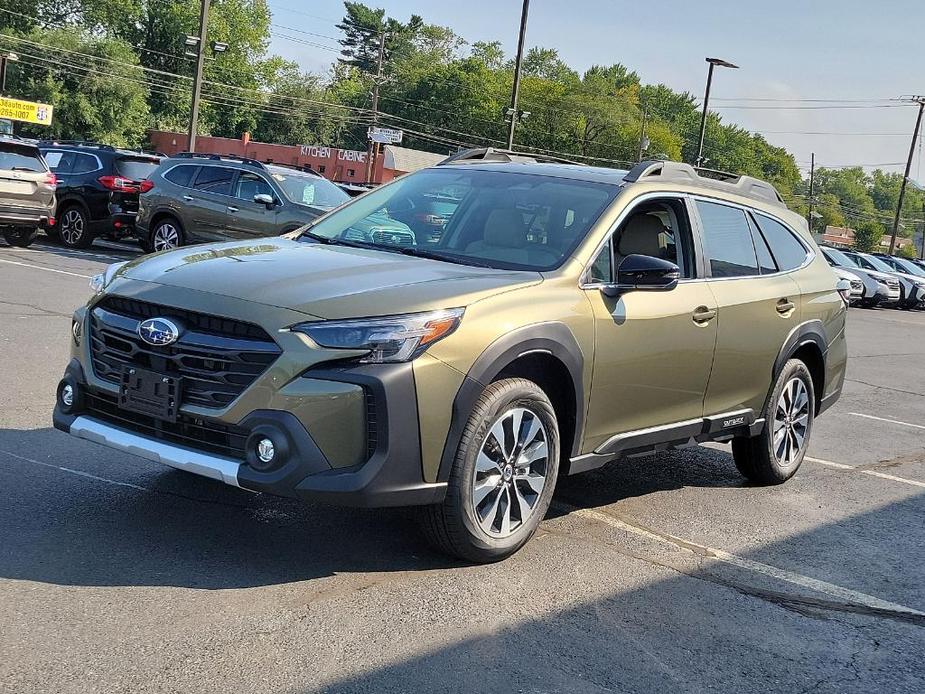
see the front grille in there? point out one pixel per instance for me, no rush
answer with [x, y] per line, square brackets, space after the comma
[892, 283]
[216, 358]
[857, 285]
[392, 237]
[207, 436]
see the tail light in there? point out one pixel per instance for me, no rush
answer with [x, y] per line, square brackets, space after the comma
[119, 184]
[51, 180]
[145, 185]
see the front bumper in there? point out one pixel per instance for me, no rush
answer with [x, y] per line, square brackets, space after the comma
[390, 476]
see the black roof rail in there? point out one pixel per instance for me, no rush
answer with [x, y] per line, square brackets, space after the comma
[492, 154]
[296, 167]
[219, 157]
[78, 143]
[677, 172]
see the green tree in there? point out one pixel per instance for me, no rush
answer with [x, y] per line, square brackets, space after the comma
[867, 236]
[362, 27]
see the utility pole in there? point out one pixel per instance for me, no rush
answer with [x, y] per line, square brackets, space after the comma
[812, 191]
[643, 145]
[5, 60]
[373, 146]
[714, 62]
[920, 100]
[517, 65]
[197, 79]
[922, 250]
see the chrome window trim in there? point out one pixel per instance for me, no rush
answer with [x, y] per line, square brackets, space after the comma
[99, 163]
[200, 166]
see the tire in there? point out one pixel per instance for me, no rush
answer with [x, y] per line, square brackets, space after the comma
[515, 494]
[73, 227]
[761, 460]
[20, 237]
[166, 235]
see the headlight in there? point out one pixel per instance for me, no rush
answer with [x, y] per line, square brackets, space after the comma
[99, 282]
[387, 339]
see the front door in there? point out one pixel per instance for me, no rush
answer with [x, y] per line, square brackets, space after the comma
[250, 218]
[653, 350]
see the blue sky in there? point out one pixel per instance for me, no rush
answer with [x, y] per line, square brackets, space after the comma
[814, 49]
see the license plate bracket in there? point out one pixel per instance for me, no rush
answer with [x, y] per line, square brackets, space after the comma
[150, 393]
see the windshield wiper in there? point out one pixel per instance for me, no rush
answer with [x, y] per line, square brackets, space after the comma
[419, 252]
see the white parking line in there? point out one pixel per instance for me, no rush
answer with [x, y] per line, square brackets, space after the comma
[884, 419]
[71, 471]
[54, 250]
[46, 269]
[872, 473]
[830, 589]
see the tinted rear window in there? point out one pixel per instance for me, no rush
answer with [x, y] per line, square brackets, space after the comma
[728, 240]
[135, 169]
[20, 158]
[85, 163]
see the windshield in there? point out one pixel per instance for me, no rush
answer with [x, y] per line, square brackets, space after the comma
[872, 262]
[909, 267]
[135, 169]
[498, 219]
[838, 258]
[309, 190]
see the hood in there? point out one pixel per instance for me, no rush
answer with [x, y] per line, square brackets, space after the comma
[324, 281]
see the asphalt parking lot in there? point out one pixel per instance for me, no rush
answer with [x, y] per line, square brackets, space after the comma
[667, 573]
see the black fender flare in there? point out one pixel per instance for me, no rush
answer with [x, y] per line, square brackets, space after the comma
[553, 338]
[810, 332]
[71, 200]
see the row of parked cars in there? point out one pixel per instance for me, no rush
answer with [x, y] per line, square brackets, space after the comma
[879, 279]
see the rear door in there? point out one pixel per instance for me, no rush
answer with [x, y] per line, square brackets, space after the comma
[758, 306]
[23, 178]
[209, 203]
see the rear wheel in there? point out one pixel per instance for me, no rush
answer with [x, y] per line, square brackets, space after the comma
[503, 477]
[774, 456]
[73, 228]
[20, 237]
[166, 235]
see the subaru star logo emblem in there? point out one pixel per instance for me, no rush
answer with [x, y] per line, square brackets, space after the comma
[159, 332]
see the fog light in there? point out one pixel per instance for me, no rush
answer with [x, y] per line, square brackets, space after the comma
[266, 451]
[69, 400]
[67, 395]
[76, 331]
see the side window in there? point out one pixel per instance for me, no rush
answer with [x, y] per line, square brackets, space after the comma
[727, 240]
[659, 229]
[59, 162]
[765, 259]
[250, 184]
[181, 175]
[787, 250]
[84, 163]
[214, 179]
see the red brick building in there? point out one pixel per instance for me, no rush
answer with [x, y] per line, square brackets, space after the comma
[341, 165]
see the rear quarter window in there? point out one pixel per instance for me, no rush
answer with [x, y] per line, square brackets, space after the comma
[787, 250]
[84, 163]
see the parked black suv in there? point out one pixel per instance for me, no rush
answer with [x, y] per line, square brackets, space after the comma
[98, 188]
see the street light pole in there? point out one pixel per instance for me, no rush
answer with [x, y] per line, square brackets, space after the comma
[5, 61]
[643, 145]
[812, 191]
[517, 66]
[714, 62]
[920, 100]
[197, 79]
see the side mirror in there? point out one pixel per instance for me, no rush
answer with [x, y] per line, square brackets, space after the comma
[843, 287]
[264, 199]
[643, 273]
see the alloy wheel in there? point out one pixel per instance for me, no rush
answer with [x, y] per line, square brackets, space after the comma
[791, 421]
[166, 237]
[510, 472]
[72, 227]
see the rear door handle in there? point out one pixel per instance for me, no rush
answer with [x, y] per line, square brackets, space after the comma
[232, 208]
[703, 315]
[188, 198]
[785, 306]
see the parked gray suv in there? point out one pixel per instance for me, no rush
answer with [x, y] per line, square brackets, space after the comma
[194, 198]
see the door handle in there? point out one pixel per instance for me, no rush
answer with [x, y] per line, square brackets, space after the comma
[188, 198]
[785, 306]
[232, 208]
[703, 315]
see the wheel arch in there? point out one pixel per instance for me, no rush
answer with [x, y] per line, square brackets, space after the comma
[71, 200]
[806, 342]
[547, 354]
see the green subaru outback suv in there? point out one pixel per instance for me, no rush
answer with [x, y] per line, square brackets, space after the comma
[566, 316]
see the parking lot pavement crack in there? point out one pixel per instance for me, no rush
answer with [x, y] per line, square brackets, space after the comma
[890, 388]
[42, 311]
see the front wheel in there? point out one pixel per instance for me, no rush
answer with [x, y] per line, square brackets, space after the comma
[774, 456]
[20, 237]
[503, 476]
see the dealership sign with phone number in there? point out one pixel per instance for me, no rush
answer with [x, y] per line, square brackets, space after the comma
[26, 111]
